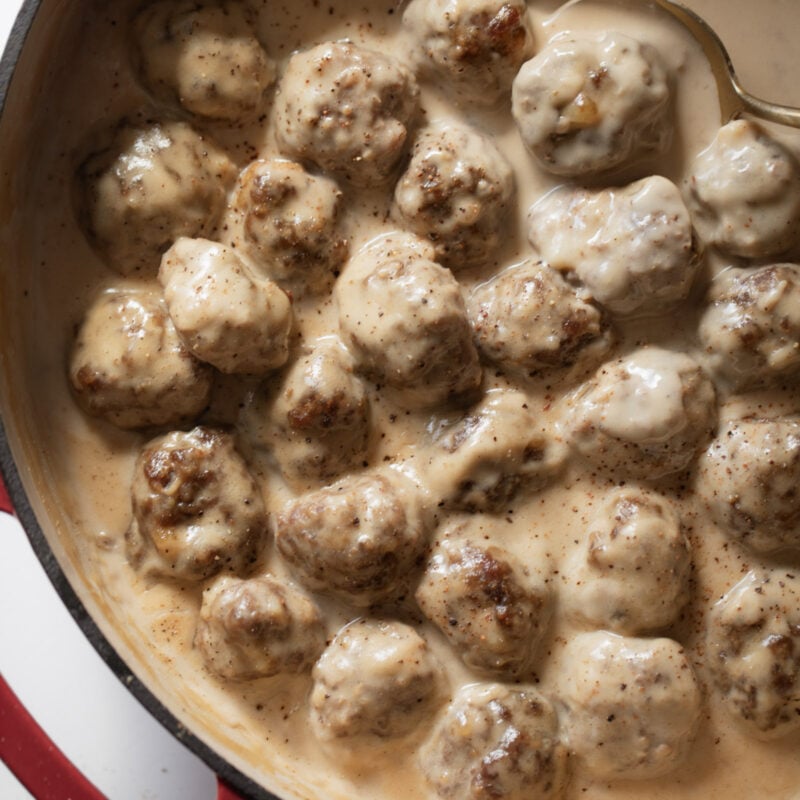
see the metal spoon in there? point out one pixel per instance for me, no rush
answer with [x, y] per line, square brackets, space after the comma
[733, 99]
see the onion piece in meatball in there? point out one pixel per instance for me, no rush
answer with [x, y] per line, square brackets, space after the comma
[225, 315]
[204, 56]
[529, 319]
[346, 109]
[197, 509]
[632, 706]
[375, 679]
[587, 106]
[150, 186]
[129, 366]
[492, 609]
[257, 628]
[744, 193]
[498, 742]
[753, 645]
[632, 247]
[404, 318]
[477, 46]
[750, 478]
[631, 573]
[750, 333]
[646, 416]
[457, 192]
[359, 539]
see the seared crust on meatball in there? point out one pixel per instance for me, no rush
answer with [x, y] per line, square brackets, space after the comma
[197, 509]
[632, 247]
[492, 609]
[205, 56]
[750, 333]
[754, 652]
[631, 573]
[318, 426]
[632, 706]
[586, 106]
[482, 461]
[477, 46]
[456, 191]
[495, 742]
[750, 478]
[257, 628]
[346, 109]
[744, 192]
[375, 679]
[151, 185]
[404, 318]
[287, 221]
[647, 415]
[528, 318]
[129, 366]
[359, 539]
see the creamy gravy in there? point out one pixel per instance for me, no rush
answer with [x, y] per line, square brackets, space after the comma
[87, 466]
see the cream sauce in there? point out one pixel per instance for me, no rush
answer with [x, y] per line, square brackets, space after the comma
[85, 466]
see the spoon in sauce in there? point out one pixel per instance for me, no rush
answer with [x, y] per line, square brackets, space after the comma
[733, 98]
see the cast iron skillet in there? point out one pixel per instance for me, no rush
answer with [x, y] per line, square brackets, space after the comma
[13, 716]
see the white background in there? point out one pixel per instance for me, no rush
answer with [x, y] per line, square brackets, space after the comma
[69, 689]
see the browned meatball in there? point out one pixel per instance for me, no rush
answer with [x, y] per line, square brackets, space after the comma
[405, 320]
[375, 679]
[529, 318]
[197, 509]
[495, 742]
[129, 365]
[750, 333]
[754, 652]
[346, 109]
[257, 628]
[359, 539]
[750, 477]
[287, 221]
[150, 186]
[492, 609]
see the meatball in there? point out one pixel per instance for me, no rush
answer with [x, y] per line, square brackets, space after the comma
[359, 539]
[750, 333]
[754, 652]
[225, 314]
[257, 628]
[197, 509]
[477, 46]
[204, 56]
[495, 742]
[528, 318]
[405, 319]
[130, 367]
[587, 106]
[632, 247]
[318, 426]
[457, 192]
[375, 678]
[152, 185]
[750, 477]
[632, 706]
[631, 573]
[744, 193]
[288, 223]
[489, 606]
[482, 461]
[647, 415]
[346, 109]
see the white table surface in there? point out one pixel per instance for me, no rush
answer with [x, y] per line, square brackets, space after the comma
[83, 707]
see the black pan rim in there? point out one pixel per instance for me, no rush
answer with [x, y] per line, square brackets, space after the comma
[25, 514]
